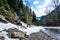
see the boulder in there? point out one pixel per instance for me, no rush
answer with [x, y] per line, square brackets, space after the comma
[41, 35]
[18, 35]
[2, 38]
[2, 19]
[15, 33]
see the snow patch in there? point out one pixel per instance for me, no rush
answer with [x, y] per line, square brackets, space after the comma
[29, 30]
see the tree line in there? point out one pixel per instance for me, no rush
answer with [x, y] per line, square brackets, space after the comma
[17, 7]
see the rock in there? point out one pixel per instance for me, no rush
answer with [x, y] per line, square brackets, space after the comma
[39, 36]
[2, 38]
[15, 33]
[52, 18]
[2, 19]
[18, 35]
[12, 30]
[10, 17]
[4, 30]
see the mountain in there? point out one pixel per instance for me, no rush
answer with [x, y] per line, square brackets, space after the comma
[39, 20]
[9, 17]
[15, 11]
[53, 18]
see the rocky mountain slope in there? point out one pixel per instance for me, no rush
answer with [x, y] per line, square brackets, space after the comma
[53, 18]
[15, 11]
[9, 17]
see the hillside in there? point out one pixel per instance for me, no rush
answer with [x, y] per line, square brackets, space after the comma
[15, 11]
[53, 18]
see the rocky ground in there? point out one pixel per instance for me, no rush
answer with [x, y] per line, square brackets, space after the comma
[10, 17]
[15, 34]
[9, 31]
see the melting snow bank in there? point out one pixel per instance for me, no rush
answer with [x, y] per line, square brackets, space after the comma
[52, 34]
[28, 31]
[4, 34]
[6, 26]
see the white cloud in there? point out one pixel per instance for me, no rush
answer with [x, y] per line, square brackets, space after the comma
[24, 3]
[32, 8]
[42, 8]
[39, 12]
[36, 2]
[50, 8]
[46, 3]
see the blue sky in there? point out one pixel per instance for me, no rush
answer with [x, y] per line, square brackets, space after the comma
[40, 6]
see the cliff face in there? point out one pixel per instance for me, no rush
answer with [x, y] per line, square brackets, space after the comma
[53, 18]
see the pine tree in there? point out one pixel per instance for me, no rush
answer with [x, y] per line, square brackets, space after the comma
[7, 6]
[21, 4]
[1, 3]
[56, 3]
[30, 16]
[34, 17]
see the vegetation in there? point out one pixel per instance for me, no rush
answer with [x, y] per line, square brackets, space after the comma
[17, 8]
[34, 18]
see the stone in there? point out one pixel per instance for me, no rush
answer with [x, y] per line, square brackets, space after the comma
[10, 17]
[39, 36]
[18, 35]
[15, 33]
[2, 38]
[2, 19]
